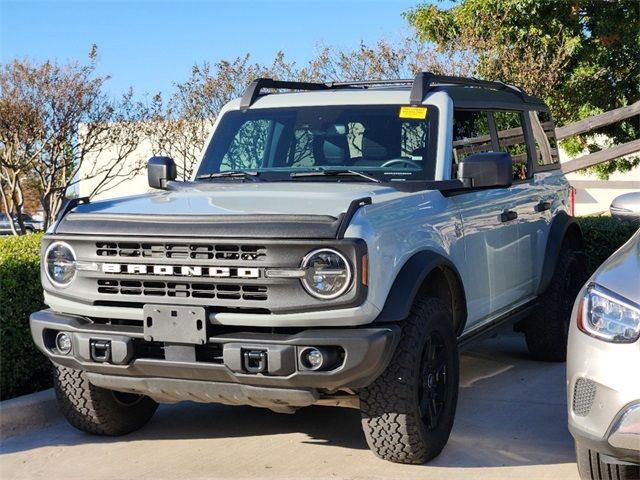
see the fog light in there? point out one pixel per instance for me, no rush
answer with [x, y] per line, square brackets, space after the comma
[63, 343]
[311, 358]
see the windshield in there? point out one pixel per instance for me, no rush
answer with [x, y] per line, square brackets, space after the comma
[377, 140]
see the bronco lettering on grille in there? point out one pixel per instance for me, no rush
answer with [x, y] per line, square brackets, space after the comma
[184, 271]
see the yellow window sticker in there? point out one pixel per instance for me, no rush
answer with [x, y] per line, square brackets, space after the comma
[416, 113]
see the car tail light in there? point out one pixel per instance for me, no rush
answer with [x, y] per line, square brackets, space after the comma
[572, 201]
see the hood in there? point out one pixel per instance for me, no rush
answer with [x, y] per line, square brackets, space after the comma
[275, 198]
[620, 272]
[274, 210]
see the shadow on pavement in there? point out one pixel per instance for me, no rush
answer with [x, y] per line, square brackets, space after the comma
[511, 412]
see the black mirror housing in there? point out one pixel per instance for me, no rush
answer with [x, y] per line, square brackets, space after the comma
[489, 169]
[160, 171]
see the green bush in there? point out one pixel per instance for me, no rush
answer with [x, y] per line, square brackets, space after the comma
[23, 369]
[602, 237]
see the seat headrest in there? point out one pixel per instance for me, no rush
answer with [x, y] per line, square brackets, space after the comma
[331, 149]
[375, 144]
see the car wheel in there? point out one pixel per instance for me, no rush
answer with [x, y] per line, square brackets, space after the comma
[591, 467]
[407, 412]
[98, 410]
[547, 329]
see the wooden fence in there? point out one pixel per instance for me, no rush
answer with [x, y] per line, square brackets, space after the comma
[597, 121]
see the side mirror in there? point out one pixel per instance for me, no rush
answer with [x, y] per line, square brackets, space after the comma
[160, 171]
[490, 169]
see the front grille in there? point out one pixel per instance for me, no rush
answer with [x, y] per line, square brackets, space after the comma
[182, 251]
[583, 395]
[183, 289]
[222, 274]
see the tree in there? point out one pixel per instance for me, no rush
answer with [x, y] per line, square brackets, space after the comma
[55, 120]
[582, 56]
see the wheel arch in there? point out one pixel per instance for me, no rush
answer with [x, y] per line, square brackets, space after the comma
[565, 232]
[426, 273]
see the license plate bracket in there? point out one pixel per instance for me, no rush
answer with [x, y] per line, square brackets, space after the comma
[175, 324]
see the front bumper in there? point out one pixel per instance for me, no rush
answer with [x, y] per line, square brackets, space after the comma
[603, 395]
[216, 371]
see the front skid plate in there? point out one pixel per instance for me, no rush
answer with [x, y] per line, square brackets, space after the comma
[169, 390]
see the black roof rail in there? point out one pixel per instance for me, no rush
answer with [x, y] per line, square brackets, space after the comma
[253, 90]
[372, 83]
[425, 80]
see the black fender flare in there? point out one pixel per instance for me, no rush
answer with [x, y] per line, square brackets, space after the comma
[408, 282]
[563, 228]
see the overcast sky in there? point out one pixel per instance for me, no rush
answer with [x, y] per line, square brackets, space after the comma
[150, 44]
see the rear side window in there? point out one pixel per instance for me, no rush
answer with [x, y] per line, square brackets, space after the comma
[512, 141]
[471, 134]
[544, 134]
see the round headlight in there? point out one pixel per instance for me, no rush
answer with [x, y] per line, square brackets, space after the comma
[327, 274]
[60, 263]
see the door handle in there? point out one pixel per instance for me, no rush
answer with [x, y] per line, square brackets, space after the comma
[508, 215]
[542, 206]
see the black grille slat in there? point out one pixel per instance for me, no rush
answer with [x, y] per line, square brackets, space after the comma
[182, 251]
[183, 290]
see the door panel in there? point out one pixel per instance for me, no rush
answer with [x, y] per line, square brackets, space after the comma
[528, 201]
[491, 249]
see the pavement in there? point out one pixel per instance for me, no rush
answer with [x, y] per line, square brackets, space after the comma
[511, 424]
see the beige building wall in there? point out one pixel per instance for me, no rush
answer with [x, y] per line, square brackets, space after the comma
[593, 196]
[117, 187]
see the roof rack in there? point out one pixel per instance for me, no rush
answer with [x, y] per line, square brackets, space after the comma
[253, 90]
[425, 80]
[420, 85]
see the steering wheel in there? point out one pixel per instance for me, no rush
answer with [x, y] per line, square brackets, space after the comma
[406, 161]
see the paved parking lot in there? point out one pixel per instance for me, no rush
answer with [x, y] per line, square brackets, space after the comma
[511, 424]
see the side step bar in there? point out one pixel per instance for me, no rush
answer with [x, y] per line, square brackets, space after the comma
[466, 340]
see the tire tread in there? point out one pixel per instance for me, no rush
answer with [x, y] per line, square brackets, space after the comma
[591, 467]
[93, 409]
[390, 425]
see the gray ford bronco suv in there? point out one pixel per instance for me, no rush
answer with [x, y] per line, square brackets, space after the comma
[338, 244]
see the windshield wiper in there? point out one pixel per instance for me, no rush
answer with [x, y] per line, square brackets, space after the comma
[334, 173]
[252, 176]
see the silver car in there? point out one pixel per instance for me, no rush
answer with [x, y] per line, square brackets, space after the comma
[603, 369]
[626, 206]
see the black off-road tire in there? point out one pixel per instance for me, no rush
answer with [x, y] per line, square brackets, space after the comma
[393, 419]
[98, 410]
[591, 467]
[547, 330]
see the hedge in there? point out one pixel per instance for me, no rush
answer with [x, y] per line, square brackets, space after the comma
[602, 237]
[23, 369]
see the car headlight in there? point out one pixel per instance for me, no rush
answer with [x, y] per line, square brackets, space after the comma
[60, 264]
[327, 273]
[609, 317]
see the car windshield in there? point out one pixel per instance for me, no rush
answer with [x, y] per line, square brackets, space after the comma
[387, 143]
